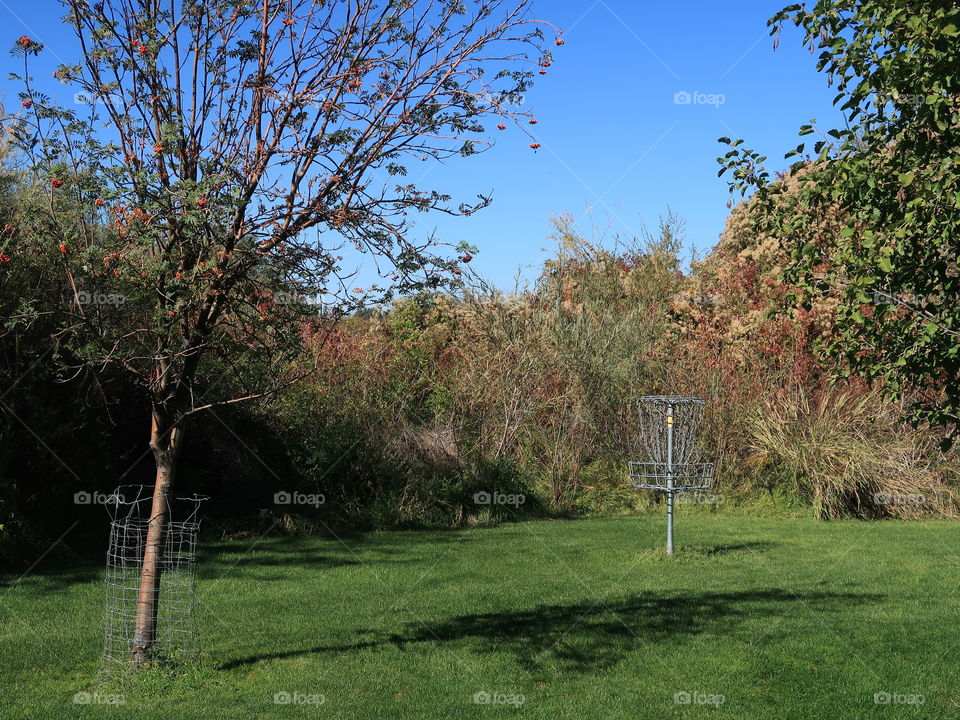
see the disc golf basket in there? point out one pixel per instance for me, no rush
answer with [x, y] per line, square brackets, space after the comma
[176, 637]
[669, 427]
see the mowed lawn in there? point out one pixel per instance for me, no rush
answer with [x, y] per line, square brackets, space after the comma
[753, 618]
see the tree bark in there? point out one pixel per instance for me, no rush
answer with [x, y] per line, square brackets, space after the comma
[165, 440]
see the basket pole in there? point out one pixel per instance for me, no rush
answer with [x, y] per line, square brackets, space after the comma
[670, 479]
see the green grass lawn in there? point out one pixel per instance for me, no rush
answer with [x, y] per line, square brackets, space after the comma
[754, 618]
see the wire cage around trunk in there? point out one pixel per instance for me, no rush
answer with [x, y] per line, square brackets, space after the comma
[176, 636]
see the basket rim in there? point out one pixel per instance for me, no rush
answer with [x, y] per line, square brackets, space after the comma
[694, 399]
[674, 466]
[676, 488]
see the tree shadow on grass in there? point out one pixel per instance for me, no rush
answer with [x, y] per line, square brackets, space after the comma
[309, 553]
[587, 637]
[212, 566]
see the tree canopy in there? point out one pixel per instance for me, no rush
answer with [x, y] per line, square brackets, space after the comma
[890, 181]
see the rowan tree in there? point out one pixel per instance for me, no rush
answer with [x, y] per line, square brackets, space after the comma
[231, 148]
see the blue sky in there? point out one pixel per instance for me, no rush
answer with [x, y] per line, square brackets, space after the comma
[617, 150]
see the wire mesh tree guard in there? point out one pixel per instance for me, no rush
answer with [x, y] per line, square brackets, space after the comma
[669, 428]
[176, 636]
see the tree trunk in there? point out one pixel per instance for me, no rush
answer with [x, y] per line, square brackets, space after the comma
[165, 440]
